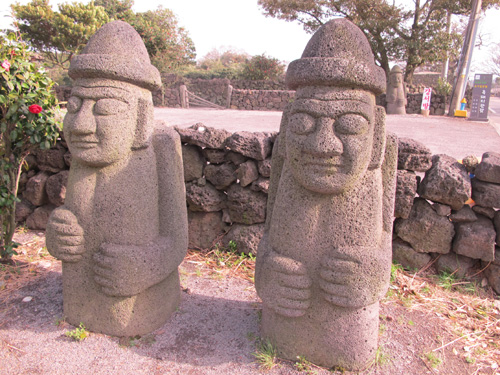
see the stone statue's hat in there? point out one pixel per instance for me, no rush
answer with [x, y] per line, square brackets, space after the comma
[116, 51]
[396, 69]
[338, 54]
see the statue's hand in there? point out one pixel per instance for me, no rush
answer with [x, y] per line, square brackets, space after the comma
[400, 102]
[354, 278]
[64, 236]
[122, 270]
[286, 285]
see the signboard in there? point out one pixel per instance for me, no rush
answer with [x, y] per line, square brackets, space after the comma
[426, 99]
[480, 97]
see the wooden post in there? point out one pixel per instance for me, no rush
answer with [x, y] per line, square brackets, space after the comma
[229, 95]
[183, 96]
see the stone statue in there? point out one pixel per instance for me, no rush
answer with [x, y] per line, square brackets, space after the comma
[396, 93]
[324, 261]
[122, 231]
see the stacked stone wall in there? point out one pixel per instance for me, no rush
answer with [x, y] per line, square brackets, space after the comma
[261, 100]
[442, 214]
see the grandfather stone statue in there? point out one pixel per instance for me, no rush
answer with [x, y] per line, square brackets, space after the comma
[396, 92]
[324, 261]
[122, 231]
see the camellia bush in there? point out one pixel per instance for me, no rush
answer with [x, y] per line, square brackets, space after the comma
[262, 67]
[28, 109]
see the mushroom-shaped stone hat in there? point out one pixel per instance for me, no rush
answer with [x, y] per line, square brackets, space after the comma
[338, 55]
[396, 69]
[116, 51]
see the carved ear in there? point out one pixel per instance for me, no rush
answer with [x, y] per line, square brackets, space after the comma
[145, 124]
[378, 139]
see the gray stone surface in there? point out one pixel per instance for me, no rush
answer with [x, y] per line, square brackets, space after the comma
[413, 155]
[492, 273]
[404, 254]
[324, 260]
[56, 188]
[40, 216]
[236, 158]
[396, 92]
[24, 208]
[264, 167]
[204, 198]
[247, 173]
[51, 160]
[496, 223]
[122, 231]
[246, 237]
[261, 184]
[204, 228]
[464, 215]
[446, 182]
[476, 239]
[246, 206]
[425, 230]
[489, 168]
[442, 209]
[486, 194]
[454, 263]
[204, 136]
[193, 163]
[406, 189]
[35, 189]
[253, 145]
[221, 175]
[214, 156]
[485, 211]
[470, 163]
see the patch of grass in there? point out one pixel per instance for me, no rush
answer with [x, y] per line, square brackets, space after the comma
[433, 359]
[447, 280]
[265, 354]
[381, 357]
[304, 365]
[78, 334]
[381, 329]
[395, 268]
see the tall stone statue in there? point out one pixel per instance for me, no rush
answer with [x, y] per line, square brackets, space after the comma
[324, 261]
[122, 231]
[396, 93]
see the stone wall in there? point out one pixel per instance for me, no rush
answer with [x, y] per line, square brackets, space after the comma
[261, 100]
[438, 103]
[227, 180]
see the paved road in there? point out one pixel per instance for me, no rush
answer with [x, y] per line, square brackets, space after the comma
[453, 136]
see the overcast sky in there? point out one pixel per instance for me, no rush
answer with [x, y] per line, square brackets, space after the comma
[240, 24]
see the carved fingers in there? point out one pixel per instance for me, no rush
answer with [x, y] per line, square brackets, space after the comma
[64, 236]
[291, 289]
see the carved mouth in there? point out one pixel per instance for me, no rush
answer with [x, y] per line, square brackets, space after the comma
[85, 144]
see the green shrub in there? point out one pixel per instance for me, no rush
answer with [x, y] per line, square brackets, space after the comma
[27, 109]
[261, 67]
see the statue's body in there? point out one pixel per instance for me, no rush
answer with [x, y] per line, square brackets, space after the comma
[122, 231]
[396, 93]
[324, 261]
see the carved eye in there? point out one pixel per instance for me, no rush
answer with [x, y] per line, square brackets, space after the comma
[351, 124]
[301, 123]
[74, 104]
[106, 107]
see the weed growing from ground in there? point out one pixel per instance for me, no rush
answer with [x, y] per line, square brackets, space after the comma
[265, 354]
[433, 359]
[78, 334]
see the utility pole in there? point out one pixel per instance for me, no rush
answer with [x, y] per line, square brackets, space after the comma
[444, 71]
[465, 58]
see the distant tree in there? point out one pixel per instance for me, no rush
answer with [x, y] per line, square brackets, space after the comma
[492, 66]
[58, 35]
[262, 67]
[416, 36]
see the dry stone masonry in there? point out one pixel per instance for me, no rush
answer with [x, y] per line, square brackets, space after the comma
[121, 225]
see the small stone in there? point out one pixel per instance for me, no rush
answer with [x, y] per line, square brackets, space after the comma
[27, 299]
[486, 194]
[221, 175]
[425, 230]
[246, 237]
[264, 167]
[253, 145]
[247, 172]
[442, 209]
[404, 254]
[56, 188]
[413, 155]
[214, 156]
[39, 218]
[262, 184]
[470, 163]
[489, 168]
[235, 158]
[476, 240]
[246, 206]
[193, 163]
[51, 160]
[203, 136]
[35, 189]
[485, 211]
[406, 189]
[446, 182]
[464, 215]
[204, 198]
[454, 263]
[204, 228]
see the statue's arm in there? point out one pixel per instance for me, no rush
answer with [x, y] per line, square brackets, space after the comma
[64, 236]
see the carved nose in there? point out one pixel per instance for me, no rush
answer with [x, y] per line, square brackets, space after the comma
[84, 121]
[323, 141]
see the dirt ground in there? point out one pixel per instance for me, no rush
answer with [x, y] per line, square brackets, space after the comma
[216, 329]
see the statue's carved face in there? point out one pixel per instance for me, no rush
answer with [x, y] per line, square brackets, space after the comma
[101, 121]
[396, 79]
[329, 139]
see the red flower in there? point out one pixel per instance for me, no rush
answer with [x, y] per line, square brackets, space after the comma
[13, 53]
[35, 108]
[6, 65]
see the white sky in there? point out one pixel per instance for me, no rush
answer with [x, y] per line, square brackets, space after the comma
[241, 25]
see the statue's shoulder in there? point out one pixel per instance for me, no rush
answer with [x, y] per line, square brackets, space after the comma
[166, 142]
[165, 133]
